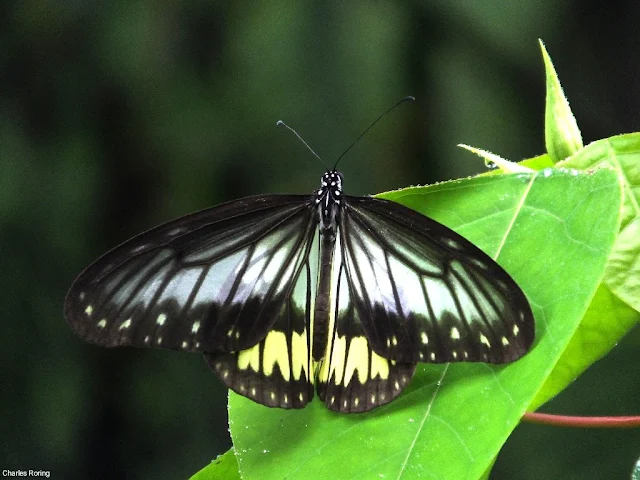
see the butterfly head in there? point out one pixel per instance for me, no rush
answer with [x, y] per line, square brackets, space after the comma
[329, 198]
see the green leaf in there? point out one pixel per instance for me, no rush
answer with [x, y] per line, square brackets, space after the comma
[623, 270]
[225, 467]
[553, 231]
[538, 163]
[614, 310]
[562, 136]
[606, 321]
[635, 475]
[622, 154]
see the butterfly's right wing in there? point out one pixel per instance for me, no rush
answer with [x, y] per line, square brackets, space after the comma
[215, 280]
[427, 294]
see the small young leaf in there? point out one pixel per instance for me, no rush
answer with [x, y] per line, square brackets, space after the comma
[503, 164]
[562, 137]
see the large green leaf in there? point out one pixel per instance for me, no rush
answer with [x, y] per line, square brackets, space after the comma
[553, 231]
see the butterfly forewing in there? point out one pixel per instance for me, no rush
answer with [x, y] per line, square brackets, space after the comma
[213, 280]
[427, 294]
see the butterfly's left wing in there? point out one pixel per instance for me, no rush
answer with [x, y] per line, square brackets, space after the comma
[423, 293]
[236, 281]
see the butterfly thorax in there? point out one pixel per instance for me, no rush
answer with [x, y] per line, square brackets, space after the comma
[328, 201]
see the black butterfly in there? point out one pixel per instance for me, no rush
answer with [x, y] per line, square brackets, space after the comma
[284, 293]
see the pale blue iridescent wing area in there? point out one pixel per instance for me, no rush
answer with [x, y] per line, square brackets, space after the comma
[216, 280]
[423, 293]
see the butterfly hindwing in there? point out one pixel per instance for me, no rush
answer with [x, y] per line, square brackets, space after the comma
[213, 280]
[426, 294]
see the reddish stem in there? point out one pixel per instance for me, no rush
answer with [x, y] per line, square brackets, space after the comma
[582, 422]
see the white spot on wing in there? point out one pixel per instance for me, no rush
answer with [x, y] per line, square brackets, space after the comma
[195, 327]
[88, 310]
[161, 319]
[125, 324]
[102, 323]
[450, 242]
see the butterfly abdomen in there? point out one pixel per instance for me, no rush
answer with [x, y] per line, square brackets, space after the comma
[324, 303]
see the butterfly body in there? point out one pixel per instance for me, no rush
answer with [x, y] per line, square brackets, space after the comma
[287, 294]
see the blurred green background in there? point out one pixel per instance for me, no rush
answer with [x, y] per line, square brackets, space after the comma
[116, 116]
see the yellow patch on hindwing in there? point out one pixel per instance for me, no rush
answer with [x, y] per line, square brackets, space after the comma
[275, 351]
[357, 360]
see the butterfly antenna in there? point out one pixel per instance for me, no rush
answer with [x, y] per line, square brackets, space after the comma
[405, 99]
[280, 123]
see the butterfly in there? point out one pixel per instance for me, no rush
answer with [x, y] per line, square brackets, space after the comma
[290, 294]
